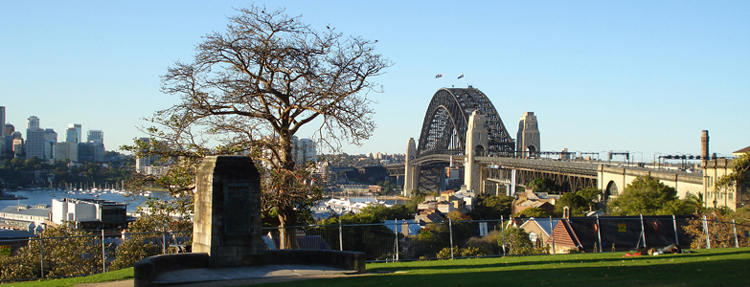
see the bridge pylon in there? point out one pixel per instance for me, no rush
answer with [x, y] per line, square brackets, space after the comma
[477, 141]
[411, 172]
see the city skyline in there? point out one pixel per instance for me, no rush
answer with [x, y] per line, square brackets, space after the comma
[639, 76]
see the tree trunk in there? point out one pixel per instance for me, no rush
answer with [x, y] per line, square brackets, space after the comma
[288, 236]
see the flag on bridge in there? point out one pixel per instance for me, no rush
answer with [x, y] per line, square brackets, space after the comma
[439, 75]
[461, 76]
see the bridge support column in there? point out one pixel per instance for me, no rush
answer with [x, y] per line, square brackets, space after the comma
[476, 145]
[411, 172]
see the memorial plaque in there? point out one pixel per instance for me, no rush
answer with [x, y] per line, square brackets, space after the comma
[237, 209]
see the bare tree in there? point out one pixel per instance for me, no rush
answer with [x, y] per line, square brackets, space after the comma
[253, 87]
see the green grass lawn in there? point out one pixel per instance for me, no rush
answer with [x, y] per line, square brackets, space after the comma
[117, 275]
[715, 267]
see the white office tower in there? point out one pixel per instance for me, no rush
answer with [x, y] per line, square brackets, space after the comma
[95, 136]
[304, 151]
[34, 138]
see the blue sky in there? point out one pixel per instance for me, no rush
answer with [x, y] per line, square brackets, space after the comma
[643, 76]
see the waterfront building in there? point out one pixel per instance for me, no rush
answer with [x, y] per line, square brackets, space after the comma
[90, 213]
[37, 214]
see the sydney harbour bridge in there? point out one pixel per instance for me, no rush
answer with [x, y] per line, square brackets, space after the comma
[464, 142]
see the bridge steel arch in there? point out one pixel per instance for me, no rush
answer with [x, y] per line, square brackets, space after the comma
[446, 121]
[444, 128]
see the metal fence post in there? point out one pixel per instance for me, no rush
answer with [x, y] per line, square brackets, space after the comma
[450, 229]
[341, 237]
[705, 229]
[41, 251]
[395, 228]
[674, 223]
[163, 242]
[643, 232]
[551, 234]
[502, 228]
[599, 233]
[734, 228]
[104, 256]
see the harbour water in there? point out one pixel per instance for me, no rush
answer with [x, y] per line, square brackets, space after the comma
[45, 196]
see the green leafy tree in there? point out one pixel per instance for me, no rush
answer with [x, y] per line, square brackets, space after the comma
[67, 252]
[648, 196]
[720, 228]
[163, 219]
[543, 184]
[256, 85]
[491, 207]
[517, 242]
[533, 212]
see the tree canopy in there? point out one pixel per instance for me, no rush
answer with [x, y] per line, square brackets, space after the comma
[648, 196]
[254, 86]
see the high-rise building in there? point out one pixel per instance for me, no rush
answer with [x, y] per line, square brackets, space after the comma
[304, 151]
[17, 144]
[73, 133]
[34, 138]
[32, 122]
[95, 136]
[66, 150]
[50, 139]
[9, 129]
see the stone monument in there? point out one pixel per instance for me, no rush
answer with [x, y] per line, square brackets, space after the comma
[227, 218]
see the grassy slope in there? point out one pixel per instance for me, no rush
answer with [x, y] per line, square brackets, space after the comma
[716, 267]
[117, 275]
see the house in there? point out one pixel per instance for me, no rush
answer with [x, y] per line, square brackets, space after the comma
[539, 229]
[620, 233]
[529, 199]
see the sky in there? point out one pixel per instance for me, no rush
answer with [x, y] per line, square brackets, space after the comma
[639, 76]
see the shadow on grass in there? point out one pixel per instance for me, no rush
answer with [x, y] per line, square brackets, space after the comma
[713, 272]
[511, 262]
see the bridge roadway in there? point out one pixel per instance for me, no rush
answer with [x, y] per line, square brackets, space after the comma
[609, 177]
[582, 169]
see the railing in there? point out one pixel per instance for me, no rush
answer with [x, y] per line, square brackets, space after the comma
[399, 240]
[393, 240]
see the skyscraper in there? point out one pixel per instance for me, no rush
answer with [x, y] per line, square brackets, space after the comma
[95, 136]
[32, 122]
[73, 133]
[34, 138]
[50, 139]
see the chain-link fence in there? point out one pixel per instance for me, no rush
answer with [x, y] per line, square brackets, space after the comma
[392, 240]
[70, 256]
[400, 240]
